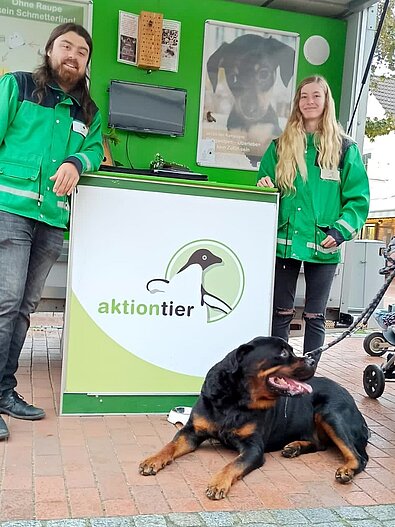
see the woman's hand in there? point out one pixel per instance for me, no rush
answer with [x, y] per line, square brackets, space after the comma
[265, 182]
[329, 242]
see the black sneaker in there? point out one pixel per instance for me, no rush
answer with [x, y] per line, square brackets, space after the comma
[4, 433]
[12, 403]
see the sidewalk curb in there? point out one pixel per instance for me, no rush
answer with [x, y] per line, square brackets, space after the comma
[370, 516]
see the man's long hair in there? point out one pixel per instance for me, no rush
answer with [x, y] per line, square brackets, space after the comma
[44, 75]
[292, 142]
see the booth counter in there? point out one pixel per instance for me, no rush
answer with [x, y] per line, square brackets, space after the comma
[165, 277]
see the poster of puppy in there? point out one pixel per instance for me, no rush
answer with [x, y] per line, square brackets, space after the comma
[248, 83]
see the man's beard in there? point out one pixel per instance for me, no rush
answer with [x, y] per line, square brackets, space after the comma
[66, 77]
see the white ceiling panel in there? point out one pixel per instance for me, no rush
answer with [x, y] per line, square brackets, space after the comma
[329, 8]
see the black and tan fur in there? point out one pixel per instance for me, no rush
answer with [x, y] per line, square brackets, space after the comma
[242, 404]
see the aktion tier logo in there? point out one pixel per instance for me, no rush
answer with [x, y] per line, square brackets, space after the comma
[220, 276]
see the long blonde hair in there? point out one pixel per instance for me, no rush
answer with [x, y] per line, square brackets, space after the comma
[292, 142]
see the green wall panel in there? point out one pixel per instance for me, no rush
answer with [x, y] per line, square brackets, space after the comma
[192, 15]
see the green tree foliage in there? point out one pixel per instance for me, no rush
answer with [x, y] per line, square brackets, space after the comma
[385, 51]
[376, 127]
[384, 59]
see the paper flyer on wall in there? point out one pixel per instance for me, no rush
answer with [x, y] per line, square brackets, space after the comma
[127, 41]
[170, 45]
[127, 37]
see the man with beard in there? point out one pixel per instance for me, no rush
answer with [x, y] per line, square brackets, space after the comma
[49, 135]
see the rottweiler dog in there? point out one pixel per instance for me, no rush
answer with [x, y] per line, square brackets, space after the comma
[243, 405]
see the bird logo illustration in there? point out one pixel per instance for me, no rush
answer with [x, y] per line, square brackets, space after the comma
[192, 273]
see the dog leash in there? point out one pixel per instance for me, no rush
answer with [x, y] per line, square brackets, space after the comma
[363, 317]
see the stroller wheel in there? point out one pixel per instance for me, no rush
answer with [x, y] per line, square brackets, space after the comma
[373, 344]
[373, 381]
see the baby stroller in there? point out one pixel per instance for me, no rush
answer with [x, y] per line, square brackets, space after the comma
[377, 343]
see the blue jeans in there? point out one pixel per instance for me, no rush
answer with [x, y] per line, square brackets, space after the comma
[28, 249]
[318, 278]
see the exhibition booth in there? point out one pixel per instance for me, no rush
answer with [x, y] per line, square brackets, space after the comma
[171, 246]
[182, 274]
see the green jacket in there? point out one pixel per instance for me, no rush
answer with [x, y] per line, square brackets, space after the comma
[335, 200]
[35, 139]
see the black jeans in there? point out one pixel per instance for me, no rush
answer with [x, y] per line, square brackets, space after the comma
[318, 278]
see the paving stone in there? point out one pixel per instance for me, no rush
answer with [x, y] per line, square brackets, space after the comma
[261, 525]
[352, 513]
[218, 519]
[112, 522]
[291, 524]
[66, 523]
[319, 515]
[382, 512]
[21, 523]
[291, 517]
[371, 522]
[338, 523]
[185, 519]
[150, 520]
[255, 516]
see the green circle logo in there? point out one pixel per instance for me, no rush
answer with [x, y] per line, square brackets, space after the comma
[222, 275]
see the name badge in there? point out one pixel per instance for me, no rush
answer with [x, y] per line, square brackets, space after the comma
[80, 128]
[329, 174]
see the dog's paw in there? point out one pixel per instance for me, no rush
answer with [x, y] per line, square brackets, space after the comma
[291, 450]
[151, 465]
[216, 492]
[344, 475]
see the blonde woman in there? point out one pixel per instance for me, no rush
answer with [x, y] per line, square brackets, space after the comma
[324, 200]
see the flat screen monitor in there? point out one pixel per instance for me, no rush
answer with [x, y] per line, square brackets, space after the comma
[146, 108]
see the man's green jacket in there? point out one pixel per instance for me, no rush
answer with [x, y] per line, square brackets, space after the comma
[35, 139]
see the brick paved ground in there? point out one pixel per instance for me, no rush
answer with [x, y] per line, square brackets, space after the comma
[86, 467]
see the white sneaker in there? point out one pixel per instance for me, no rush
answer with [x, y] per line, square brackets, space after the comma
[179, 415]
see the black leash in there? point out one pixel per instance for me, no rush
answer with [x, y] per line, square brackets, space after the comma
[363, 317]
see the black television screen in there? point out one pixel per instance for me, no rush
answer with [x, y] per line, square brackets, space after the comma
[147, 108]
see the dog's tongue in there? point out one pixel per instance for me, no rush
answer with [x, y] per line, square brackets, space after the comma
[290, 386]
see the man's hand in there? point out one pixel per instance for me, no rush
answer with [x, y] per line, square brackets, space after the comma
[66, 179]
[329, 242]
[265, 182]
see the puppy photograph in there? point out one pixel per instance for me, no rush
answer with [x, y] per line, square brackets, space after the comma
[262, 398]
[248, 81]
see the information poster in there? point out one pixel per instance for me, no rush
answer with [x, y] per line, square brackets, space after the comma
[127, 37]
[25, 28]
[248, 81]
